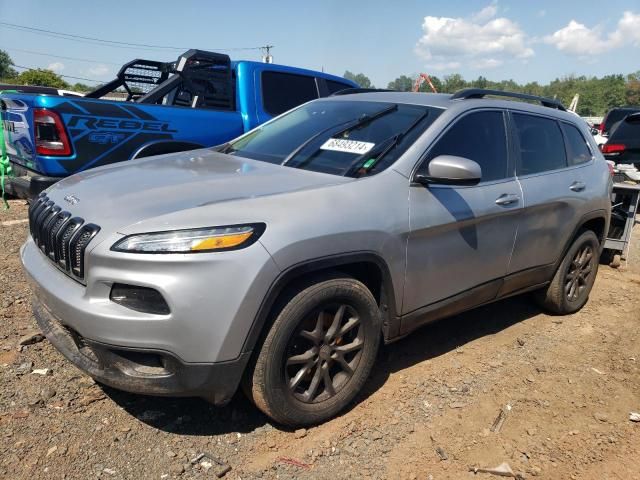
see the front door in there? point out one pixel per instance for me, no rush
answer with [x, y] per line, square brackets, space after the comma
[462, 237]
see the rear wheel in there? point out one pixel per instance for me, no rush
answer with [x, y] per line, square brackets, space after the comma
[569, 290]
[318, 353]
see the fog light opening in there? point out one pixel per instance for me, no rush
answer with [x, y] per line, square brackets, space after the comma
[140, 299]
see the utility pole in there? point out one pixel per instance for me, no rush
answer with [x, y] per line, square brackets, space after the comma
[267, 57]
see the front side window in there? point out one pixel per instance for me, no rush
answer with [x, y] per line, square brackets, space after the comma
[352, 138]
[540, 143]
[577, 148]
[284, 91]
[480, 137]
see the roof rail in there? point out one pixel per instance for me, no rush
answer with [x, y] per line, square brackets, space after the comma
[482, 92]
[349, 91]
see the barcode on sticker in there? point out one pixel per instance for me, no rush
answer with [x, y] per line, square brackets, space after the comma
[347, 146]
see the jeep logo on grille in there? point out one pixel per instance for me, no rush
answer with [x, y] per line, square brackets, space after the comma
[72, 199]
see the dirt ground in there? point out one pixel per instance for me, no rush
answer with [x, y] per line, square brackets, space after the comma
[427, 412]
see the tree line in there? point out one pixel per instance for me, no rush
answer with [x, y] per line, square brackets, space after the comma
[597, 94]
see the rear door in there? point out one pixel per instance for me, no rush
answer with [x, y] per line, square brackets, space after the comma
[555, 189]
[462, 236]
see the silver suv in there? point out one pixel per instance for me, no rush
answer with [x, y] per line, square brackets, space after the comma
[281, 260]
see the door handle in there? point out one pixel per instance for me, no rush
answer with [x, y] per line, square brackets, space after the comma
[507, 199]
[577, 186]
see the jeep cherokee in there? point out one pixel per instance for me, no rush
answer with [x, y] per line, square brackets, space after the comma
[280, 260]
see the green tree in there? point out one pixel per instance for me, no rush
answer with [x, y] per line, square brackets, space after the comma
[41, 77]
[360, 78]
[81, 87]
[6, 71]
[401, 84]
[632, 90]
[453, 83]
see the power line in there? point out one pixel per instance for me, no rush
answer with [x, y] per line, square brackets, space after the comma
[63, 57]
[105, 42]
[60, 75]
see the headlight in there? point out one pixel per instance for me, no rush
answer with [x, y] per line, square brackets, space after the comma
[192, 240]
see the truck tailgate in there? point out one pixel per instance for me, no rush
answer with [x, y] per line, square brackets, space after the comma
[17, 121]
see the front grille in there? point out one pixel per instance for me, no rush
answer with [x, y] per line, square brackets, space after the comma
[61, 237]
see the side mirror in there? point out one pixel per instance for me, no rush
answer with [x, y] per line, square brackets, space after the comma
[594, 131]
[450, 170]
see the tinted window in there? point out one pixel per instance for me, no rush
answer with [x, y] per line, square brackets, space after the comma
[284, 91]
[480, 137]
[541, 144]
[336, 86]
[577, 148]
[353, 138]
[615, 116]
[628, 131]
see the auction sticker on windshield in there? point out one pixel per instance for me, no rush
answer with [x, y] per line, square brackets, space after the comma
[348, 146]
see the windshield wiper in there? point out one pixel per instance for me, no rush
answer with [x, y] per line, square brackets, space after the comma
[224, 148]
[363, 120]
[379, 151]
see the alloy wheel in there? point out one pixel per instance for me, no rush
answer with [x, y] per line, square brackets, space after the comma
[580, 271]
[324, 352]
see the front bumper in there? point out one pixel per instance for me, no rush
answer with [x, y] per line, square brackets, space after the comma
[142, 371]
[213, 298]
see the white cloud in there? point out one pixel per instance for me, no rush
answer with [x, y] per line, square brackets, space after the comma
[486, 13]
[578, 39]
[486, 63]
[98, 70]
[56, 66]
[482, 40]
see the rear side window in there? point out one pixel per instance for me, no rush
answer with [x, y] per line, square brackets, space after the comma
[615, 116]
[577, 149]
[628, 131]
[334, 87]
[479, 137]
[541, 144]
[284, 91]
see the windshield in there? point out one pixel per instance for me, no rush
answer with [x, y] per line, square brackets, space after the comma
[352, 138]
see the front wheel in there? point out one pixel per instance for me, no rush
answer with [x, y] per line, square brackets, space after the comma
[569, 290]
[318, 353]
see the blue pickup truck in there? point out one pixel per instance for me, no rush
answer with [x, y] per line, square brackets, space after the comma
[203, 99]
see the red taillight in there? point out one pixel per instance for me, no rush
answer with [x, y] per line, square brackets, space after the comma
[613, 148]
[51, 139]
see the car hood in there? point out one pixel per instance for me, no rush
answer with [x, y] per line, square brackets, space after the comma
[117, 196]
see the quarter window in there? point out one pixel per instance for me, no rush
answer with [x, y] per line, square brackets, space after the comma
[334, 87]
[577, 148]
[541, 144]
[479, 137]
[284, 91]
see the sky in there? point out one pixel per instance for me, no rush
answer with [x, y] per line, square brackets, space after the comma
[498, 39]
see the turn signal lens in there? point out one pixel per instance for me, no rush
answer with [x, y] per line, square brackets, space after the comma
[222, 241]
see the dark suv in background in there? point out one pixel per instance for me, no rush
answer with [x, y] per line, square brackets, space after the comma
[623, 145]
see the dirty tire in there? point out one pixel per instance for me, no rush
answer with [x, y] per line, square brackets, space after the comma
[556, 297]
[302, 332]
